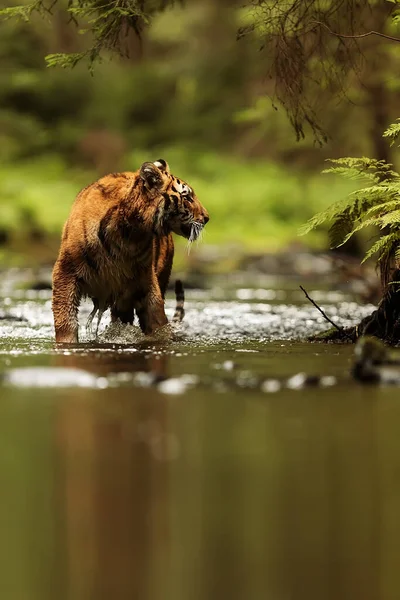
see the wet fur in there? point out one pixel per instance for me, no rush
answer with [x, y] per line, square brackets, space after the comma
[117, 247]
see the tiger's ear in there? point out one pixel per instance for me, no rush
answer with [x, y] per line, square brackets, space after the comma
[151, 174]
[162, 165]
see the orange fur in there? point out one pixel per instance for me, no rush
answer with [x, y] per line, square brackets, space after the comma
[117, 247]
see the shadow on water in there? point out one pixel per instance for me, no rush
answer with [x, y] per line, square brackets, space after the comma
[207, 491]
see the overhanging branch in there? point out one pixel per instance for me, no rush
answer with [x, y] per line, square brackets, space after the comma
[356, 36]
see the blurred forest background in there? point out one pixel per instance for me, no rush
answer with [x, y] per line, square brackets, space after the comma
[195, 93]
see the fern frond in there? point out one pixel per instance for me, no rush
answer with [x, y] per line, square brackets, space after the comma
[331, 213]
[376, 205]
[393, 132]
[383, 207]
[397, 255]
[64, 61]
[357, 206]
[362, 168]
[391, 219]
[385, 246]
[358, 227]
[340, 229]
[23, 11]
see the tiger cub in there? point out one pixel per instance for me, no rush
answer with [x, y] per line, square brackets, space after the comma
[117, 247]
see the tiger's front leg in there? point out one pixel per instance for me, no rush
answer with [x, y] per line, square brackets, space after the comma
[65, 302]
[150, 309]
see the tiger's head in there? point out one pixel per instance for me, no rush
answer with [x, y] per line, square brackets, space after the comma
[177, 207]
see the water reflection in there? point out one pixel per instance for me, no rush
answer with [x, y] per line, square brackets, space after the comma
[115, 475]
[126, 493]
[101, 360]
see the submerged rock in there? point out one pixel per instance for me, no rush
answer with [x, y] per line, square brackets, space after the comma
[52, 377]
[374, 363]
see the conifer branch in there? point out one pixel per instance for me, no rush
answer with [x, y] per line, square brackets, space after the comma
[356, 36]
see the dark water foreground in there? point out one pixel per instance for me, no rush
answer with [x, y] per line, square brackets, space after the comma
[197, 482]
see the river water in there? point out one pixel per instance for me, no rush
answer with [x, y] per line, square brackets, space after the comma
[168, 469]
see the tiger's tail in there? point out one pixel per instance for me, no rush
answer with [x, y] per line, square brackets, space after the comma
[180, 301]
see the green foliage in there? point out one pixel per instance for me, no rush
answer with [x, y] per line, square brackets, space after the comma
[23, 12]
[188, 86]
[107, 22]
[65, 61]
[375, 206]
[306, 61]
[393, 132]
[253, 204]
[184, 91]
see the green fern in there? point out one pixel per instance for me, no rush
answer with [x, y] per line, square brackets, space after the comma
[361, 168]
[377, 205]
[23, 11]
[65, 61]
[393, 132]
[383, 247]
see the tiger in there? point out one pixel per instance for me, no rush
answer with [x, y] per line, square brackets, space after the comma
[117, 248]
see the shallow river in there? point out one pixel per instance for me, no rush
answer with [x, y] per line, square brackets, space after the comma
[170, 469]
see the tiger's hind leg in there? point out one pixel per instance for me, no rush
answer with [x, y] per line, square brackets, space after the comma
[123, 311]
[89, 323]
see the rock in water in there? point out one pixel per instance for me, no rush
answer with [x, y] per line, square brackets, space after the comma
[49, 377]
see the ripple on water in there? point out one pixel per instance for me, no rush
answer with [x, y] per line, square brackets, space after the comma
[207, 321]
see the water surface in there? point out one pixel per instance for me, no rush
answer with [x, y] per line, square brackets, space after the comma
[164, 471]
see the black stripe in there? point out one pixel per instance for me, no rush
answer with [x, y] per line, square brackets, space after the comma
[167, 202]
[122, 175]
[175, 200]
[179, 291]
[102, 232]
[137, 182]
[180, 301]
[157, 250]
